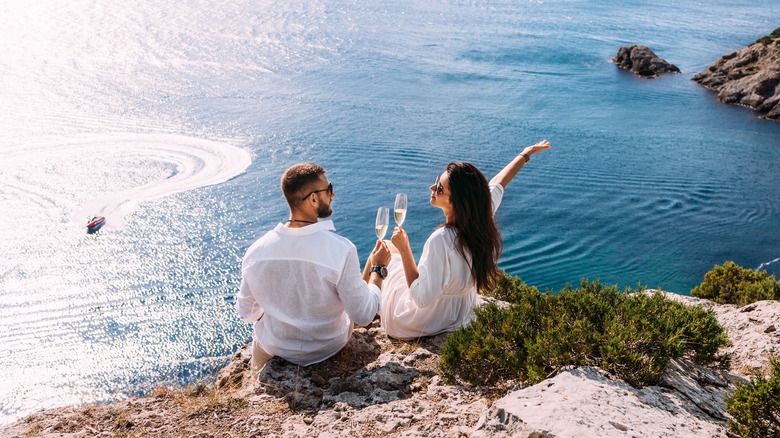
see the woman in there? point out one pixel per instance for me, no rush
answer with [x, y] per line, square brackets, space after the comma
[458, 259]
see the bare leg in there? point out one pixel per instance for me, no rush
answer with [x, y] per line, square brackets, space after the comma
[259, 356]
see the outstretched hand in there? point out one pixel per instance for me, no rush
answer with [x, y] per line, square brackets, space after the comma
[380, 255]
[536, 148]
[510, 170]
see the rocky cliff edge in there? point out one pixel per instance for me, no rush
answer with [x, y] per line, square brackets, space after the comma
[381, 387]
[749, 77]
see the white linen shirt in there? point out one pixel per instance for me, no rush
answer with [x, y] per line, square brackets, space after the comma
[443, 296]
[303, 288]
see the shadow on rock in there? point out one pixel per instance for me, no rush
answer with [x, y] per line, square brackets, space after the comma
[370, 370]
[685, 388]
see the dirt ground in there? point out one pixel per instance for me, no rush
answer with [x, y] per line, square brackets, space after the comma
[375, 387]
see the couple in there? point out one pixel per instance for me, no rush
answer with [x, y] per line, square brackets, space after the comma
[301, 283]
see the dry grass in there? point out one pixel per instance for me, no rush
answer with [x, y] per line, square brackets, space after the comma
[200, 399]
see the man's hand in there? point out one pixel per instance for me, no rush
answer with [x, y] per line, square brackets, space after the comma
[380, 256]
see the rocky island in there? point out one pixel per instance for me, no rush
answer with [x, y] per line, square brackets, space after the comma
[748, 77]
[378, 386]
[643, 62]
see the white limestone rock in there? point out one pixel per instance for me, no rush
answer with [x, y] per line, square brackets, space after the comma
[587, 402]
[752, 331]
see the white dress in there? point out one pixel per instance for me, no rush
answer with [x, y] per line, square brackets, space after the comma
[442, 298]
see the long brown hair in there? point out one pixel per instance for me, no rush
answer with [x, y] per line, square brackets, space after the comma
[478, 234]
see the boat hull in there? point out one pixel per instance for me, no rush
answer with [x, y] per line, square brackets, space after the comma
[95, 224]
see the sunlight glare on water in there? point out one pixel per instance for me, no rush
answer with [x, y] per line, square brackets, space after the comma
[84, 308]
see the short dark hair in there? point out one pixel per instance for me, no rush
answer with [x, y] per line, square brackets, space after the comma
[298, 179]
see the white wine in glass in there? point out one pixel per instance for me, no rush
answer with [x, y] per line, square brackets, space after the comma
[382, 222]
[400, 209]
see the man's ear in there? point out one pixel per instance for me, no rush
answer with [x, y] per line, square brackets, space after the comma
[312, 202]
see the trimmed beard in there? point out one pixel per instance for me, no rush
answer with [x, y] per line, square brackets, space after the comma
[324, 211]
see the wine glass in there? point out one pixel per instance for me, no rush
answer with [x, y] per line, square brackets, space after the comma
[382, 222]
[400, 209]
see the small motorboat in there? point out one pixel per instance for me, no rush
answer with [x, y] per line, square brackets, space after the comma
[95, 224]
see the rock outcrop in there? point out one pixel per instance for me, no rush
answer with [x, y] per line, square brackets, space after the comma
[753, 331]
[749, 77]
[690, 402]
[377, 386]
[641, 61]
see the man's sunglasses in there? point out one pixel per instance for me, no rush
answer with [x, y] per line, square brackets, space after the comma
[329, 189]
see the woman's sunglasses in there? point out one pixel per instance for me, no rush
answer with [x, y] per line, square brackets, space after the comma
[329, 189]
[439, 187]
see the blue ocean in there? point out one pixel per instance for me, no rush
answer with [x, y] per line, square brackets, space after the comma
[176, 119]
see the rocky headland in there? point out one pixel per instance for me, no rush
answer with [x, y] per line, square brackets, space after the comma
[382, 387]
[748, 77]
[643, 62]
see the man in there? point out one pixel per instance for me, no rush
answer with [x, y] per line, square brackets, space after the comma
[301, 283]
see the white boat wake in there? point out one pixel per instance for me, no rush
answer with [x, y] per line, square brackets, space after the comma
[165, 165]
[765, 264]
[198, 163]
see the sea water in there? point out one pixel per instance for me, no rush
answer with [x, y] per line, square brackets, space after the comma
[176, 119]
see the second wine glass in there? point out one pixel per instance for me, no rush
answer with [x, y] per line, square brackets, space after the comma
[382, 222]
[400, 209]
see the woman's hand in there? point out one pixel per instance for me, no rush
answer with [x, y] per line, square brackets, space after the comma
[536, 148]
[380, 256]
[401, 241]
[510, 170]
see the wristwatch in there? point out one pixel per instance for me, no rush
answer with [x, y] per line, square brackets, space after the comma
[381, 270]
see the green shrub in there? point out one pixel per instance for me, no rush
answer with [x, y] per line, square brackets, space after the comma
[755, 406]
[511, 289]
[630, 335]
[494, 346]
[765, 40]
[733, 284]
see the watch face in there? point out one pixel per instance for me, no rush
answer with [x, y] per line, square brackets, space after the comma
[381, 270]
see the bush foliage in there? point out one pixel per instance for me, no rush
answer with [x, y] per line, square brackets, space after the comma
[766, 39]
[733, 284]
[630, 335]
[755, 406]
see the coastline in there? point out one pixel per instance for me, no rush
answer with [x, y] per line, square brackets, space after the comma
[382, 387]
[748, 77]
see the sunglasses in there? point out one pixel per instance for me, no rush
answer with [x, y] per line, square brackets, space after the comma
[438, 186]
[328, 189]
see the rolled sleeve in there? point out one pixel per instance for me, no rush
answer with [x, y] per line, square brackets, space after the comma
[361, 301]
[247, 307]
[496, 195]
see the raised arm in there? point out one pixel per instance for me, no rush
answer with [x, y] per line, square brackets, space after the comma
[514, 166]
